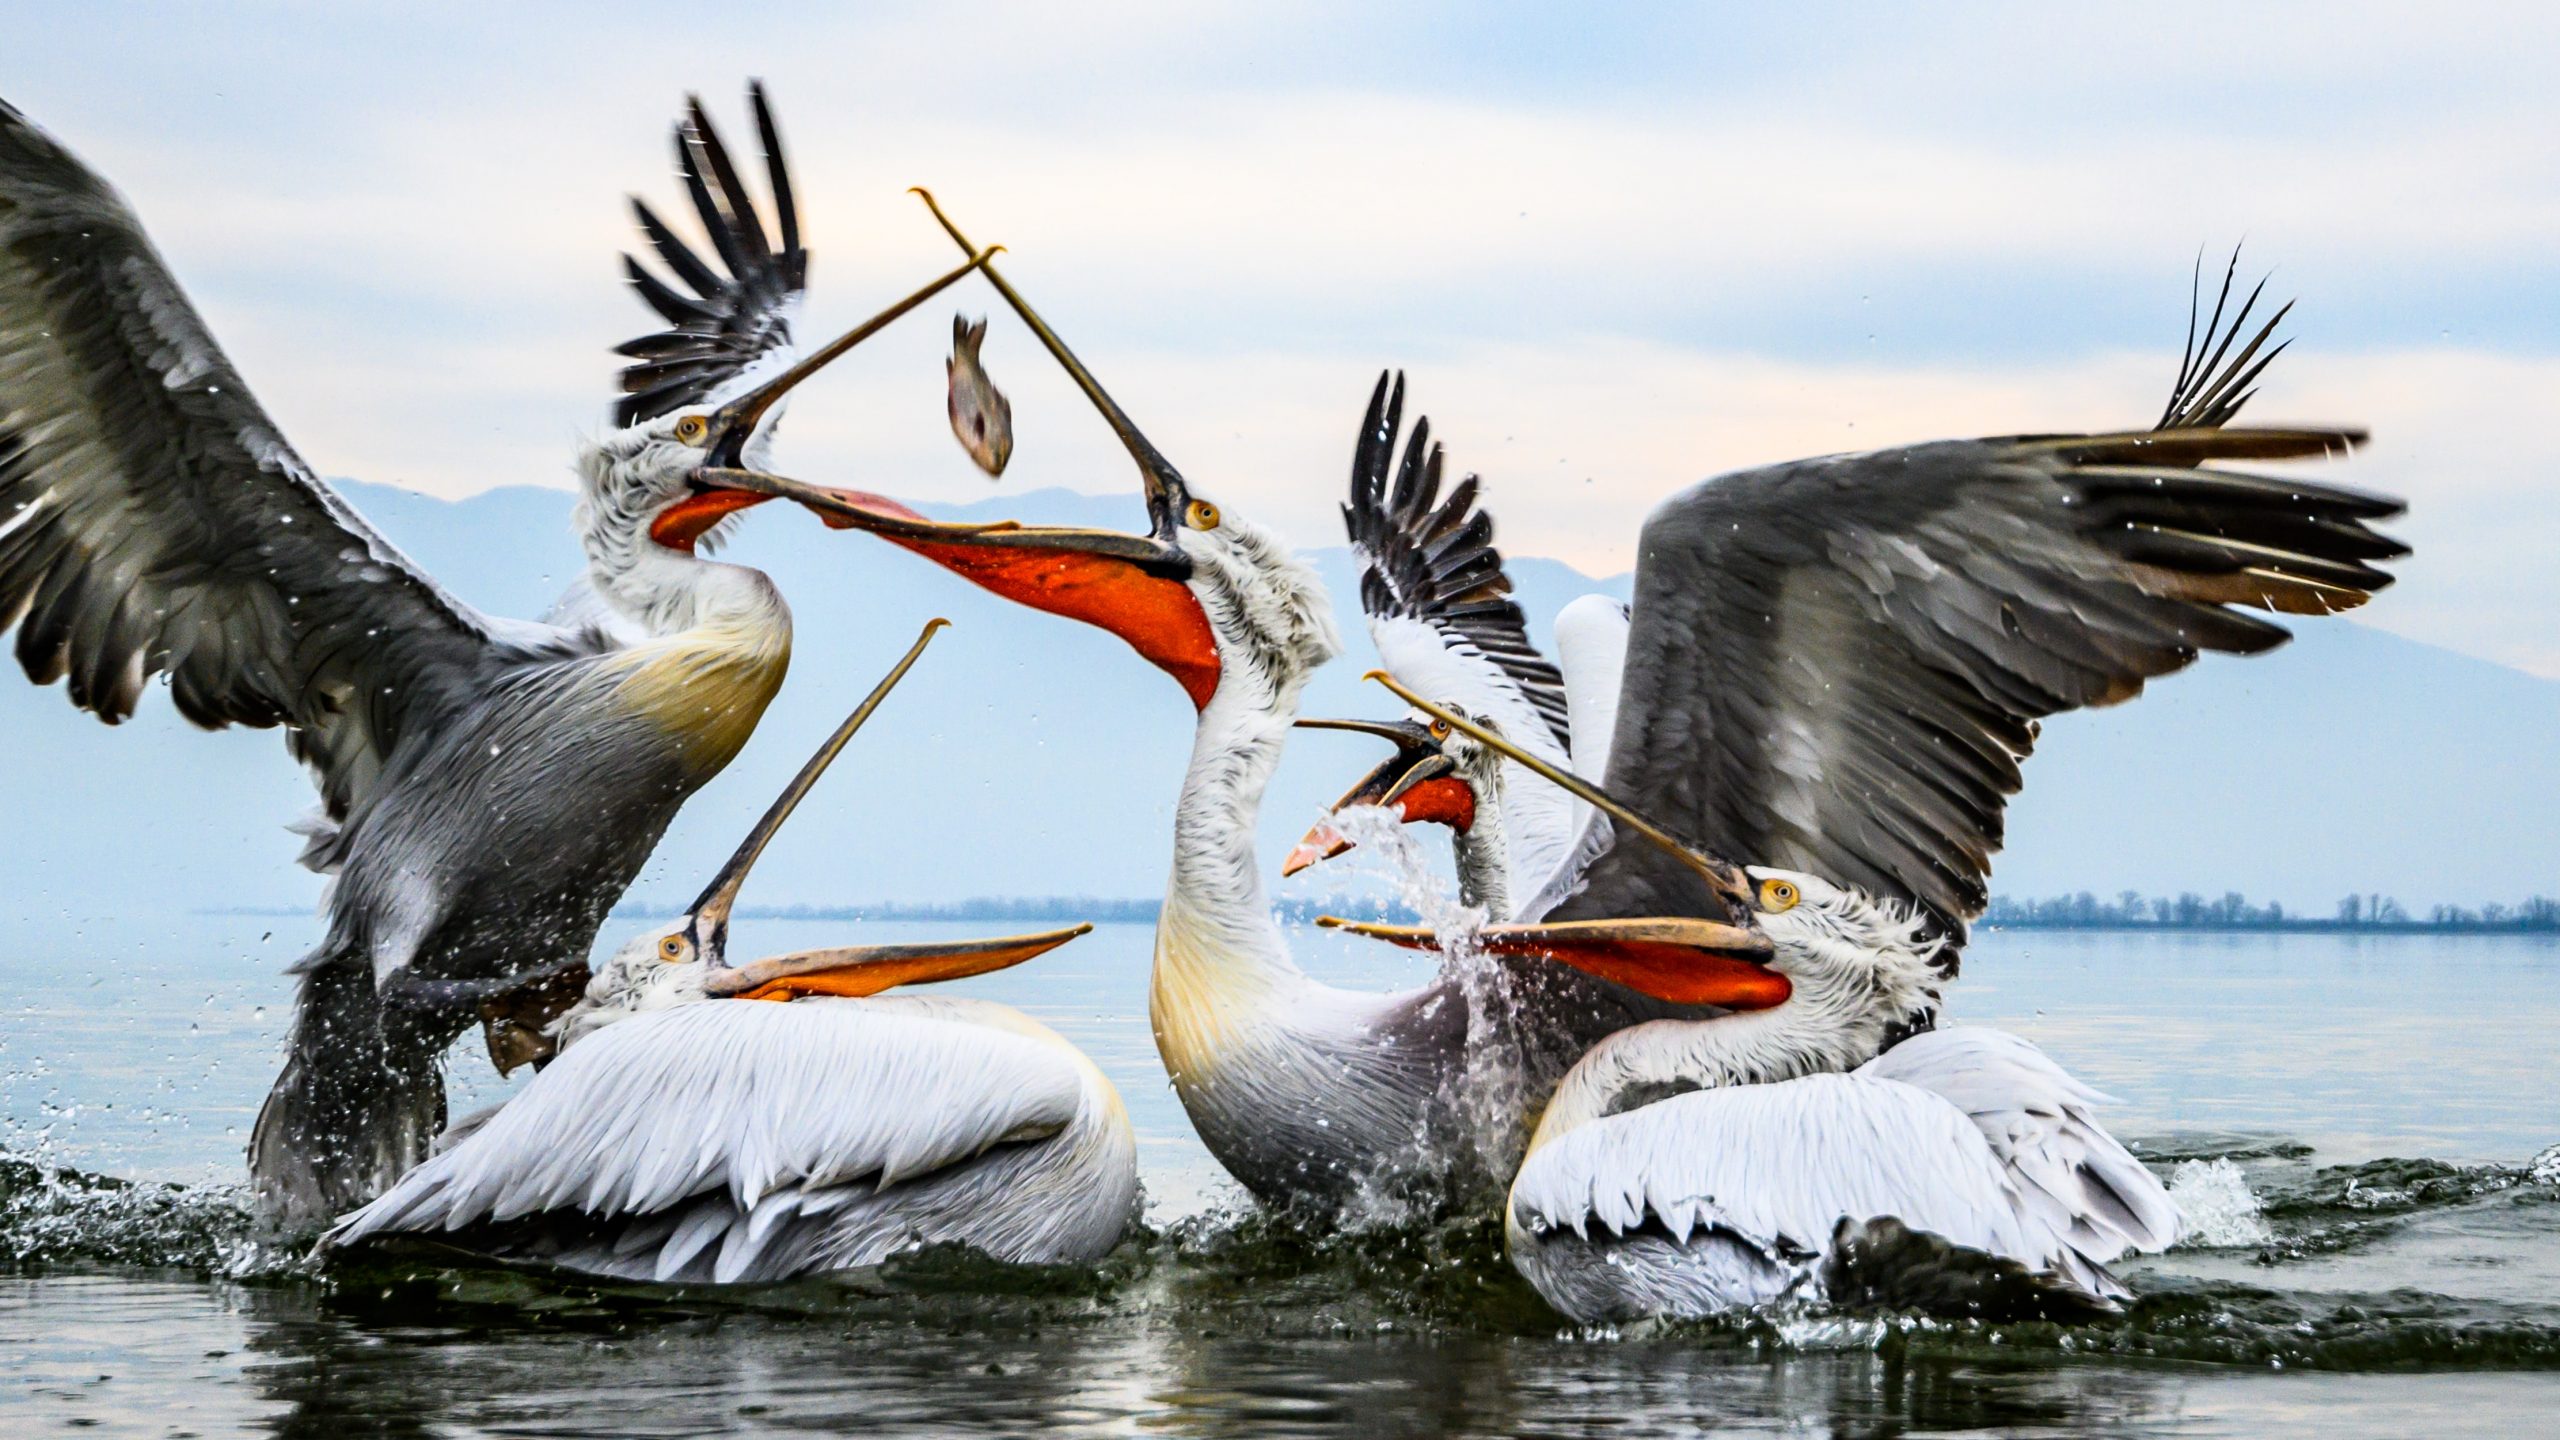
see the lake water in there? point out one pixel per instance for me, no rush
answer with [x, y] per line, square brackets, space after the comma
[2352, 1121]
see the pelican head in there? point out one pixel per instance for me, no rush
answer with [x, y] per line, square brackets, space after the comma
[686, 960]
[1842, 947]
[1437, 776]
[702, 398]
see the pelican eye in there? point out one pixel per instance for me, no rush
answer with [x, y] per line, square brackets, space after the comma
[675, 950]
[692, 428]
[1201, 515]
[1439, 729]
[1778, 896]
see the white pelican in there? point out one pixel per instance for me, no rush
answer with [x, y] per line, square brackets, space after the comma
[688, 1132]
[1440, 614]
[1685, 1167]
[1946, 593]
[488, 786]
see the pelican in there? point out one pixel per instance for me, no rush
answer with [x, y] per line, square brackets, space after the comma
[1439, 611]
[685, 1132]
[488, 787]
[1688, 1167]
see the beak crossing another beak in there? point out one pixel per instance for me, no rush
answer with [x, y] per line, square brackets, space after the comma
[843, 970]
[1133, 585]
[1684, 960]
[723, 485]
[1419, 783]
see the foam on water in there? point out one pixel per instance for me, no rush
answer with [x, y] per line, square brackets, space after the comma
[54, 1214]
[2219, 1209]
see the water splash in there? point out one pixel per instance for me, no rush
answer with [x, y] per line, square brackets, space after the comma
[1490, 1105]
[2220, 1211]
[55, 1214]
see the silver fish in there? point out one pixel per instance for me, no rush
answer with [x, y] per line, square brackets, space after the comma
[980, 415]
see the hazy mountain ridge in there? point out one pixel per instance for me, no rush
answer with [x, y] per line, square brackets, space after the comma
[1029, 756]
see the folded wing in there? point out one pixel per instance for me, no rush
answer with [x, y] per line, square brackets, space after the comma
[773, 1109]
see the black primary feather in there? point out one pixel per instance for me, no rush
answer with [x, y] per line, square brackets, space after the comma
[718, 323]
[1434, 561]
[2209, 392]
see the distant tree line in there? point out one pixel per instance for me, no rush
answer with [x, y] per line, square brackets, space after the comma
[2133, 911]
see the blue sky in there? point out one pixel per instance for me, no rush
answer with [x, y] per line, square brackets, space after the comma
[1617, 247]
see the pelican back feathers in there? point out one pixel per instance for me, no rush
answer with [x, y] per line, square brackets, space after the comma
[733, 1140]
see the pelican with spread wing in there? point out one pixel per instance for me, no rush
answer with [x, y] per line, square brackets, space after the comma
[1440, 612]
[688, 1131]
[488, 787]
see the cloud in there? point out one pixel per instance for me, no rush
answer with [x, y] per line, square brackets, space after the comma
[1618, 252]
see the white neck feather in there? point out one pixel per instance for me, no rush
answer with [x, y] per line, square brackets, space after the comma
[1218, 950]
[1484, 850]
[660, 591]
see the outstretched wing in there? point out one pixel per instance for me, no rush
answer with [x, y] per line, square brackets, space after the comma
[1439, 604]
[743, 1099]
[726, 326]
[2070, 1173]
[153, 521]
[1837, 665]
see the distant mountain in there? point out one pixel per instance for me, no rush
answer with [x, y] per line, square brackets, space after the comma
[1030, 756]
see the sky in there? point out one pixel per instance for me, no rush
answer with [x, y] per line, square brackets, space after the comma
[1616, 248]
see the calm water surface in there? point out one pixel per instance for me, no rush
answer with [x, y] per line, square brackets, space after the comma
[2353, 1121]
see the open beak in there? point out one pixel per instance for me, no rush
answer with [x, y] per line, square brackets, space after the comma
[857, 970]
[852, 969]
[1723, 878]
[1687, 960]
[717, 488]
[710, 913]
[1132, 585]
[1676, 959]
[1419, 782]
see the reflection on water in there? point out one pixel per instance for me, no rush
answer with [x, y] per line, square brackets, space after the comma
[2303, 1062]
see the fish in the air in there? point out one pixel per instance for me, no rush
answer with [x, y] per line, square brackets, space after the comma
[980, 415]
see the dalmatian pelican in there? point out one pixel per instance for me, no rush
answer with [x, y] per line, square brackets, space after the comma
[488, 787]
[689, 1131]
[1791, 1150]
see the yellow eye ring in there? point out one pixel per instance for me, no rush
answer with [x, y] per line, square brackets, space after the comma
[1201, 515]
[1778, 896]
[1439, 729]
[674, 950]
[692, 428]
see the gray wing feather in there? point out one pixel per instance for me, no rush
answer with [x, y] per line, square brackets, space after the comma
[1837, 665]
[153, 520]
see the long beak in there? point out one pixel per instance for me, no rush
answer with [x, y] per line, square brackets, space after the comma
[857, 970]
[1129, 584]
[1418, 782]
[734, 422]
[711, 912]
[1165, 487]
[1722, 876]
[1676, 959]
